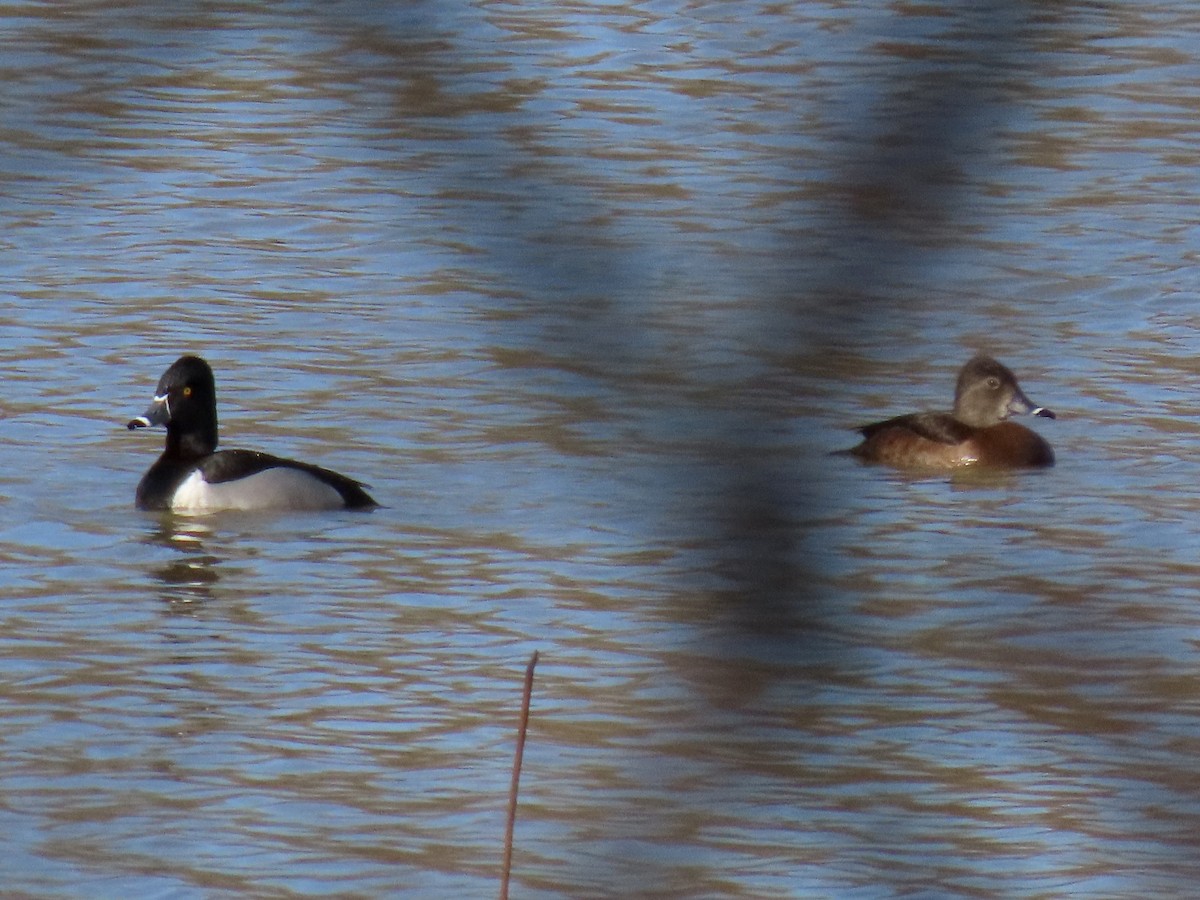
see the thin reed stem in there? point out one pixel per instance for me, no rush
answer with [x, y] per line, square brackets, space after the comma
[516, 777]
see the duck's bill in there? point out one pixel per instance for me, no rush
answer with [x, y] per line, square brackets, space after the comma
[1020, 405]
[159, 413]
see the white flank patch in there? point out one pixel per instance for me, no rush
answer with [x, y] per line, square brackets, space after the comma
[278, 488]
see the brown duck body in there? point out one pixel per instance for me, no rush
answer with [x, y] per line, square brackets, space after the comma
[903, 443]
[976, 433]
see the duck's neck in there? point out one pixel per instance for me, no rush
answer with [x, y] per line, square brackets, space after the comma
[191, 444]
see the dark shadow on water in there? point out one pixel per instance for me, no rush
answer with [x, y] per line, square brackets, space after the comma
[895, 198]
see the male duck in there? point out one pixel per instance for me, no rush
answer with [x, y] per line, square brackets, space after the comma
[976, 433]
[192, 476]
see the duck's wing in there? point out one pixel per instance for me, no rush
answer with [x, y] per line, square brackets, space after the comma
[939, 427]
[230, 465]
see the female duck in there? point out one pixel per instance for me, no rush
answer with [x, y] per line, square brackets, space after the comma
[976, 433]
[192, 476]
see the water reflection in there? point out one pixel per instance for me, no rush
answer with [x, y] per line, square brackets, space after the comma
[190, 576]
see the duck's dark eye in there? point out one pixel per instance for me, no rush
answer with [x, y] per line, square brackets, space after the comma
[993, 382]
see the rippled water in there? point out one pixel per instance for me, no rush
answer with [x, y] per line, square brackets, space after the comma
[588, 294]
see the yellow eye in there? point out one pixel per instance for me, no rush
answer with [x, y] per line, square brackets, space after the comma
[187, 392]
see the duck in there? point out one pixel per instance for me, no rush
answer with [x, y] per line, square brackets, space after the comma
[193, 476]
[976, 433]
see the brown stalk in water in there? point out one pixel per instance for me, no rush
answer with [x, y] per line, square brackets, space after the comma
[516, 776]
